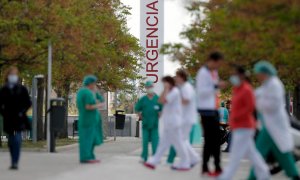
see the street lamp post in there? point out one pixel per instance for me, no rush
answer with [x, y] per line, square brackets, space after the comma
[49, 92]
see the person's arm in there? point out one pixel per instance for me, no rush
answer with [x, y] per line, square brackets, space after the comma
[187, 94]
[163, 98]
[90, 103]
[139, 108]
[248, 107]
[100, 100]
[26, 100]
[1, 101]
[91, 107]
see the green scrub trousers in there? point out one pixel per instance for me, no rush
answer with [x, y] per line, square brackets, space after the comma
[265, 145]
[149, 135]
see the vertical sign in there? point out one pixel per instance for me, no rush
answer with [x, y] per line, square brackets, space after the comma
[152, 38]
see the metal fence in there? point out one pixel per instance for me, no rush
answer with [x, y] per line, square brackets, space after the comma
[126, 132]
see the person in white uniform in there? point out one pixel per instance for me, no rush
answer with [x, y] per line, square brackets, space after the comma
[188, 95]
[275, 136]
[172, 133]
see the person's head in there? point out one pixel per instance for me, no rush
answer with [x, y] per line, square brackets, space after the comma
[168, 82]
[264, 70]
[90, 82]
[214, 60]
[12, 75]
[222, 104]
[181, 76]
[149, 87]
[238, 76]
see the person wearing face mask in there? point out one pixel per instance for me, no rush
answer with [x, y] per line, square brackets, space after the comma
[275, 136]
[172, 133]
[243, 124]
[90, 124]
[189, 118]
[149, 108]
[14, 103]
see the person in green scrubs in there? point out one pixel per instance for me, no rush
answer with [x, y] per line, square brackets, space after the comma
[149, 109]
[90, 123]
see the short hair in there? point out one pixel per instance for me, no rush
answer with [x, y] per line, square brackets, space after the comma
[170, 80]
[183, 74]
[240, 69]
[215, 56]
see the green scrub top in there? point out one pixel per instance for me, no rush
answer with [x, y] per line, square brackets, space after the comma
[89, 118]
[150, 109]
[224, 115]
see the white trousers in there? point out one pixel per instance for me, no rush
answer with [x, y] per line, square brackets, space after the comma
[171, 137]
[193, 156]
[243, 146]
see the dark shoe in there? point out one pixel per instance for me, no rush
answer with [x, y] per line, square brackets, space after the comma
[13, 167]
[149, 166]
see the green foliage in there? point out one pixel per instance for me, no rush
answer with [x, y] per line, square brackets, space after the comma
[245, 31]
[88, 37]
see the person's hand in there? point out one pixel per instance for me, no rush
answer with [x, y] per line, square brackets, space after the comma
[222, 84]
[140, 117]
[167, 87]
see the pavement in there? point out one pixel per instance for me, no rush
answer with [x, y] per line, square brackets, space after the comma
[119, 161]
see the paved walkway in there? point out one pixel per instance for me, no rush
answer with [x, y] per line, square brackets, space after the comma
[119, 162]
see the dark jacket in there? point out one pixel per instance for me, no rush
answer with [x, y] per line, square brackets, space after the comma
[14, 103]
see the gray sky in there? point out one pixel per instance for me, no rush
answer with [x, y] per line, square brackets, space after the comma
[175, 18]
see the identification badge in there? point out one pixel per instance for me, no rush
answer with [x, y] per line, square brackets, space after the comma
[156, 107]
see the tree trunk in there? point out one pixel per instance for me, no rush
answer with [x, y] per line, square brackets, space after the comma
[40, 103]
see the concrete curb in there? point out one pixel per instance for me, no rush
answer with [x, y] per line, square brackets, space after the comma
[58, 149]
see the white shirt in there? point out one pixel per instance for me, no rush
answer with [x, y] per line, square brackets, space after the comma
[189, 113]
[172, 110]
[205, 89]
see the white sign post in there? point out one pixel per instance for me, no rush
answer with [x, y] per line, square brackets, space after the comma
[152, 38]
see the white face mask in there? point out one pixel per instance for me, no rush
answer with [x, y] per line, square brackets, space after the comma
[150, 90]
[13, 79]
[235, 80]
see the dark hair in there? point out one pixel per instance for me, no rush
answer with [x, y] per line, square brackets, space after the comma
[170, 80]
[242, 71]
[183, 74]
[215, 56]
